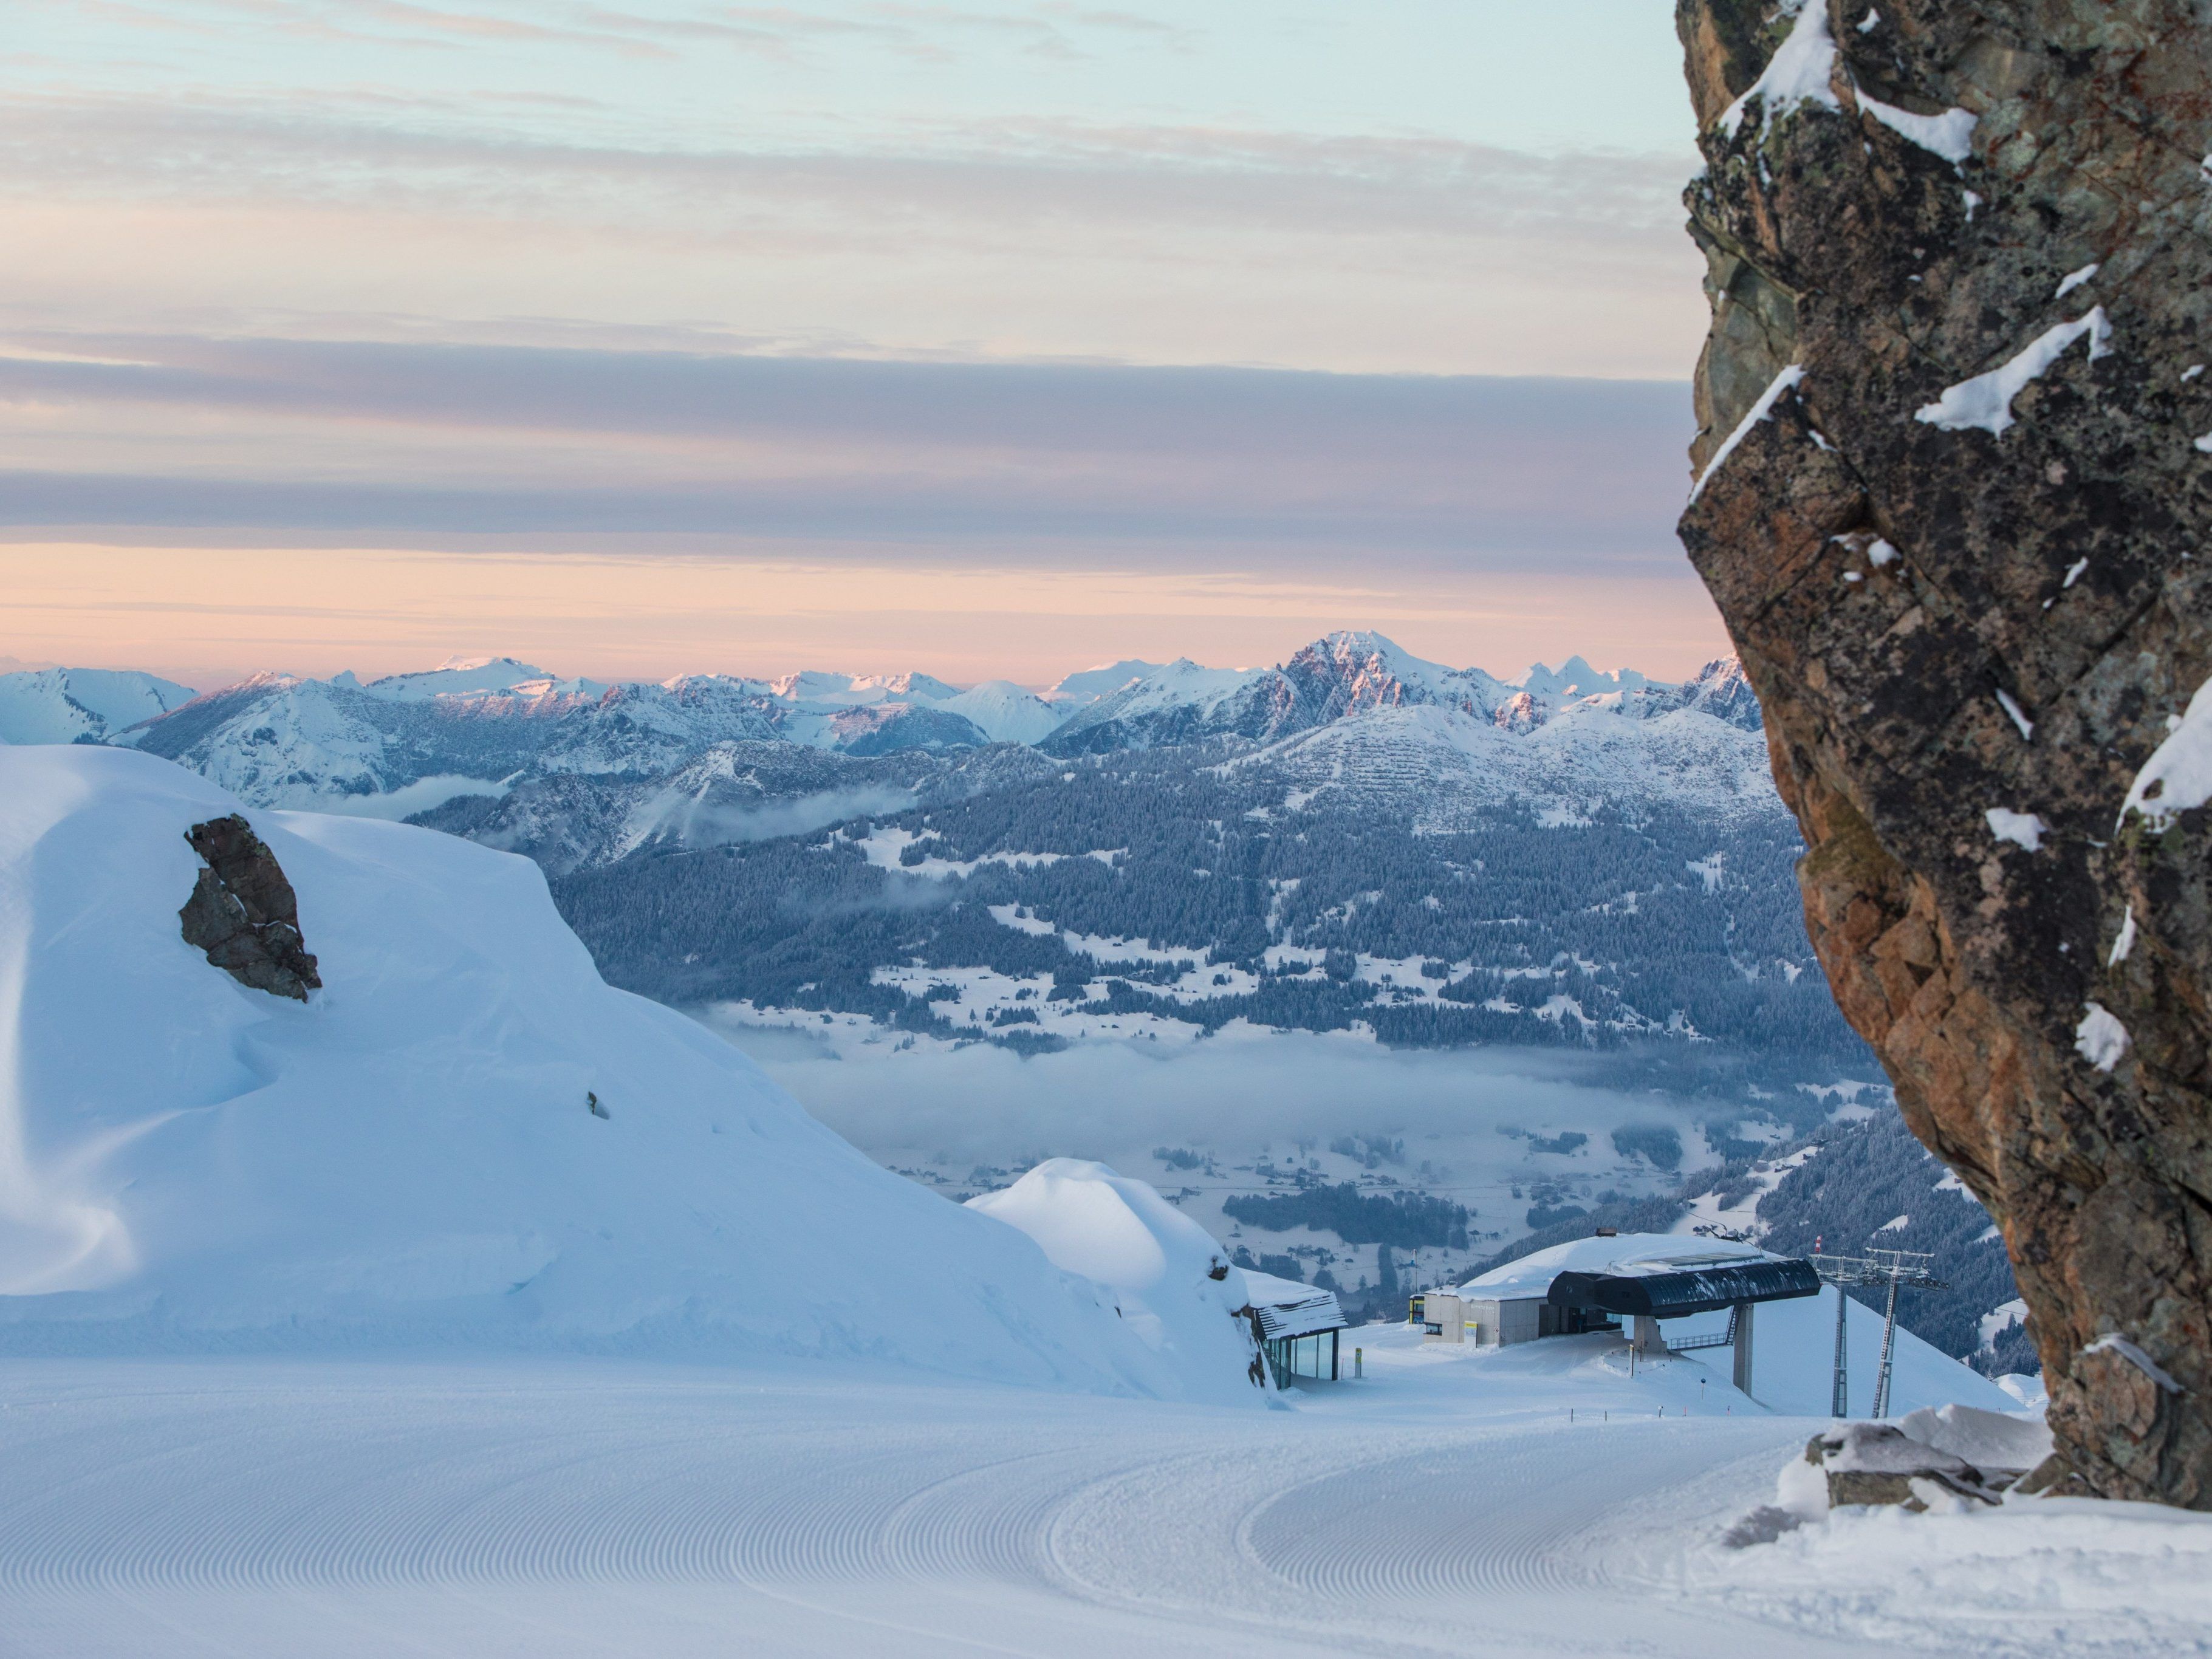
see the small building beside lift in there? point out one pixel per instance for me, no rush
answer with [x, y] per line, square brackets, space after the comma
[1594, 1284]
[1297, 1325]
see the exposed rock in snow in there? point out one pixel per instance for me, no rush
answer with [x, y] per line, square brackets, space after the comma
[1879, 1463]
[243, 912]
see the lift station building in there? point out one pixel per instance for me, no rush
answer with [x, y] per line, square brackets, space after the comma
[1595, 1284]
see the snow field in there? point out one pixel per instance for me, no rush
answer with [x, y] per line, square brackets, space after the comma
[2033, 1576]
[552, 1508]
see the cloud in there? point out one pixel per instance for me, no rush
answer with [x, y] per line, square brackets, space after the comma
[368, 146]
[1011, 456]
[1230, 1097]
[698, 823]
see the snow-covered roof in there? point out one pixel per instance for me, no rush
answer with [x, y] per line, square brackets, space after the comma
[1628, 1253]
[1266, 1290]
[1286, 1307]
[1315, 1312]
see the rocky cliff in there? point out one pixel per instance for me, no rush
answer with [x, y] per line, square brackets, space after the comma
[1954, 480]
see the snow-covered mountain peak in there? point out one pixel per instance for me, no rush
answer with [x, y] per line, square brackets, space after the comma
[1086, 687]
[81, 705]
[1574, 677]
[819, 686]
[1356, 670]
[910, 687]
[473, 677]
[1005, 713]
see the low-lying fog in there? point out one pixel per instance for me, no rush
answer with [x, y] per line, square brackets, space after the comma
[968, 1118]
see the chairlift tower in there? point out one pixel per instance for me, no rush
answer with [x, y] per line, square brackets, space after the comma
[1900, 1270]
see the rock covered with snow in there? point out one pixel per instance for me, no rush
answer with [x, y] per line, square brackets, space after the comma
[1997, 1443]
[413, 1159]
[1952, 506]
[1879, 1463]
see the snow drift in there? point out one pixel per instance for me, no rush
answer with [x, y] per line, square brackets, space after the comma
[413, 1158]
[1169, 1280]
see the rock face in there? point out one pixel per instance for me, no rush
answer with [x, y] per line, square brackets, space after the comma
[1954, 485]
[243, 913]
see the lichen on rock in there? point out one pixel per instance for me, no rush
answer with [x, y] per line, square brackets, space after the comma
[243, 913]
[2001, 211]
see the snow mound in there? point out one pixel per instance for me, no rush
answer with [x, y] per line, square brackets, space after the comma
[1987, 1440]
[2067, 1576]
[1169, 1279]
[413, 1159]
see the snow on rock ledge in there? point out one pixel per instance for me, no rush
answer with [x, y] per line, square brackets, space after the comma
[410, 1159]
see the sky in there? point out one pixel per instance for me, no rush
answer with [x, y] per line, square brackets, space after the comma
[990, 339]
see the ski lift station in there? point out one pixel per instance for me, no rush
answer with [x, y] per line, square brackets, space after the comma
[1595, 1284]
[1298, 1327]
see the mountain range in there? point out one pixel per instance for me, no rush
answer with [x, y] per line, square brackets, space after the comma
[397, 745]
[1352, 839]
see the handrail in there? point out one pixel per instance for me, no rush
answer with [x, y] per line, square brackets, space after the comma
[1717, 1340]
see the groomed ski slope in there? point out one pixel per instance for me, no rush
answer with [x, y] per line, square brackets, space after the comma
[266, 1508]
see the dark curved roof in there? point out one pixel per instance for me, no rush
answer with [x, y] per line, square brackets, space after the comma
[1696, 1290]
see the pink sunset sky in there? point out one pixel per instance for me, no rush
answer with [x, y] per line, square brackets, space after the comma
[994, 340]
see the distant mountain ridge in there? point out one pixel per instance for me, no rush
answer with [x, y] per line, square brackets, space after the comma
[477, 726]
[1354, 840]
[81, 705]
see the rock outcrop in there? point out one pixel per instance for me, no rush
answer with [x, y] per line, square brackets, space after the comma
[243, 913]
[1877, 1463]
[1953, 483]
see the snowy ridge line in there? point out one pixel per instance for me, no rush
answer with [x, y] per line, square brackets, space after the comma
[483, 725]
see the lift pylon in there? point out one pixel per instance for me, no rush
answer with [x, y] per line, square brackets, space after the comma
[1898, 1270]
